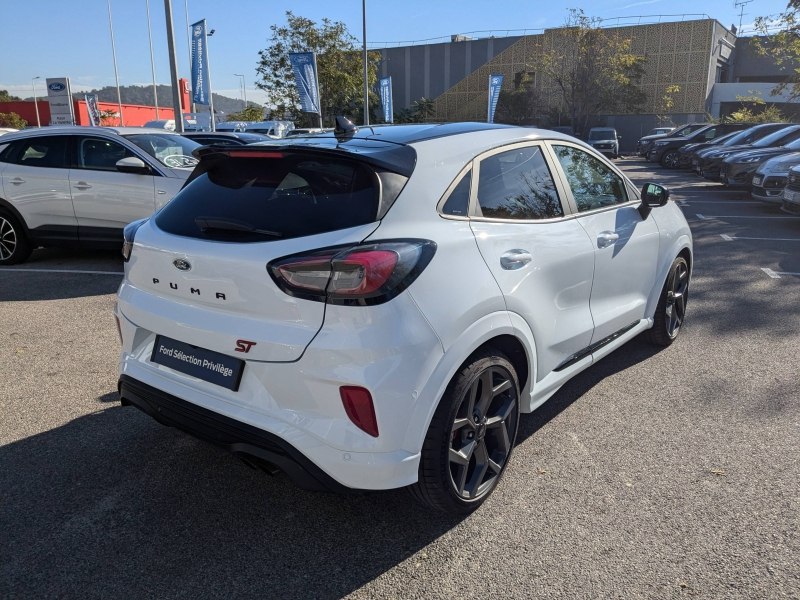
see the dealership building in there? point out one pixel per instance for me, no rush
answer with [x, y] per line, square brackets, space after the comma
[705, 59]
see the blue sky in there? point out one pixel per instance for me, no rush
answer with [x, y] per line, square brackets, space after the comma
[56, 38]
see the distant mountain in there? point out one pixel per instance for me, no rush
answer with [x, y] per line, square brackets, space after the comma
[140, 94]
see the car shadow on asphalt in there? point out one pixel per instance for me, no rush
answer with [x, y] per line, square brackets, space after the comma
[112, 503]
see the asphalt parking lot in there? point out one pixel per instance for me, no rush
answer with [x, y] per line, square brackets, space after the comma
[656, 473]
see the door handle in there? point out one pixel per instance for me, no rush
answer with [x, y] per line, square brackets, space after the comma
[161, 191]
[515, 259]
[16, 181]
[82, 185]
[606, 238]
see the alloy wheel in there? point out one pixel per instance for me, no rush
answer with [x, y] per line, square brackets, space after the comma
[676, 298]
[482, 431]
[671, 160]
[8, 239]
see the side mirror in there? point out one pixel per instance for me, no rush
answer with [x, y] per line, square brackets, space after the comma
[653, 195]
[619, 137]
[133, 165]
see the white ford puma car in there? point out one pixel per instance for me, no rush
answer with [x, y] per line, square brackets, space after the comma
[80, 186]
[374, 309]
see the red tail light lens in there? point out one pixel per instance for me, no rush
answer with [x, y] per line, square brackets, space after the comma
[361, 275]
[358, 405]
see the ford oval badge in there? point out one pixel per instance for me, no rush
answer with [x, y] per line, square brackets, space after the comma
[56, 87]
[182, 264]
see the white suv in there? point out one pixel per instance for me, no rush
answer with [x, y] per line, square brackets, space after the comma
[375, 309]
[80, 186]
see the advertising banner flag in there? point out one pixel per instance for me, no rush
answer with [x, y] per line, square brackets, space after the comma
[304, 65]
[201, 86]
[386, 99]
[495, 82]
[93, 110]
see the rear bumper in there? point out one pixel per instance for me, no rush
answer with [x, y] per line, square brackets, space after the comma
[236, 437]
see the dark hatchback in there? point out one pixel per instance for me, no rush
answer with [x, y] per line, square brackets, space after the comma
[710, 161]
[738, 169]
[688, 154]
[666, 151]
[644, 143]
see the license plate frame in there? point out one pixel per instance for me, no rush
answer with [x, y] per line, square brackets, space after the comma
[203, 364]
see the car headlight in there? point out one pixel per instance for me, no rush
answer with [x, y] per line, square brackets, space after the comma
[645, 142]
[749, 159]
[781, 167]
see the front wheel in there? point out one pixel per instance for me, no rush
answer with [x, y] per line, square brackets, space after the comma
[471, 436]
[670, 160]
[14, 246]
[671, 308]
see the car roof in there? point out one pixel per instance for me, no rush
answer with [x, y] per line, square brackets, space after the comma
[79, 129]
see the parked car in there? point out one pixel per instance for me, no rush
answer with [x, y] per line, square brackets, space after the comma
[306, 131]
[643, 145]
[738, 169]
[169, 125]
[224, 138]
[605, 140]
[771, 178]
[687, 155]
[666, 151]
[80, 186]
[276, 129]
[367, 311]
[710, 161]
[791, 193]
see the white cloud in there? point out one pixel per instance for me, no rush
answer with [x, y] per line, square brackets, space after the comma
[639, 4]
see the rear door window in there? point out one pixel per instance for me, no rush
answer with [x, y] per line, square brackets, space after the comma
[44, 151]
[282, 196]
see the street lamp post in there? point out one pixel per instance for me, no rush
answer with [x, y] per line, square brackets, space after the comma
[244, 90]
[173, 68]
[35, 103]
[114, 53]
[208, 75]
[366, 89]
[152, 61]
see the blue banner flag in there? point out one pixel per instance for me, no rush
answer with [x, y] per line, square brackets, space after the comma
[495, 82]
[304, 65]
[201, 86]
[386, 99]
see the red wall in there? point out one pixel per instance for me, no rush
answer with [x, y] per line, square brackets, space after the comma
[133, 114]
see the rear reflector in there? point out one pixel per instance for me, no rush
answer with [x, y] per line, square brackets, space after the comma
[359, 408]
[254, 154]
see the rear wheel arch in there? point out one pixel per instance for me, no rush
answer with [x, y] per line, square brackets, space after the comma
[10, 208]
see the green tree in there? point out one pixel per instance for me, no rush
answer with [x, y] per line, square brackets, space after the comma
[780, 40]
[12, 120]
[667, 103]
[251, 113]
[592, 69]
[755, 110]
[6, 97]
[339, 66]
[421, 111]
[520, 106]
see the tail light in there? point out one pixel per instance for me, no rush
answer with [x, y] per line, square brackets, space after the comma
[368, 274]
[127, 236]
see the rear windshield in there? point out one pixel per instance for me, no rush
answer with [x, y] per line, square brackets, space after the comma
[267, 199]
[171, 150]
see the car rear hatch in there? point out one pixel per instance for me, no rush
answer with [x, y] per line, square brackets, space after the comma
[198, 269]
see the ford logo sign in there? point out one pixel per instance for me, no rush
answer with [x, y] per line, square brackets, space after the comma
[182, 264]
[56, 87]
[301, 60]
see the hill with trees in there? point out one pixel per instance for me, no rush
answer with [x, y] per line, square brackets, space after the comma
[143, 94]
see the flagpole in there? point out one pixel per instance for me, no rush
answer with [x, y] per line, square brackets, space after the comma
[208, 75]
[114, 54]
[152, 60]
[366, 89]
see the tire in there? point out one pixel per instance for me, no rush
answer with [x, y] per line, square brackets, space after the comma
[14, 245]
[471, 436]
[671, 308]
[670, 160]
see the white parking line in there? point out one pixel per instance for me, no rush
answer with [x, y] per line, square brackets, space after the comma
[699, 216]
[62, 271]
[777, 274]
[729, 238]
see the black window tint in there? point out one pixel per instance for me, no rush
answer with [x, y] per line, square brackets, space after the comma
[593, 184]
[711, 133]
[48, 151]
[292, 194]
[100, 154]
[517, 185]
[458, 202]
[6, 151]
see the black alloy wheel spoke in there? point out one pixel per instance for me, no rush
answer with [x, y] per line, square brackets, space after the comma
[479, 436]
[8, 239]
[676, 299]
